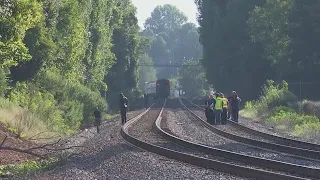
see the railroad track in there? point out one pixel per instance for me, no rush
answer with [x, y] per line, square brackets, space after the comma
[174, 149]
[270, 137]
[260, 163]
[307, 154]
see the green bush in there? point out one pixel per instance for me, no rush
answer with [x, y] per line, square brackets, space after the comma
[273, 95]
[306, 126]
[61, 105]
[308, 131]
[74, 98]
[40, 103]
[29, 167]
[3, 82]
[282, 108]
[283, 111]
[288, 120]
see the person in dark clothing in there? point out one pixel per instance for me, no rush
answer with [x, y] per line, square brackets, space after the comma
[229, 108]
[206, 111]
[97, 115]
[123, 106]
[235, 102]
[211, 113]
[146, 99]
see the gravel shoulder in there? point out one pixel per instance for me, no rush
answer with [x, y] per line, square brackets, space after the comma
[186, 127]
[262, 127]
[108, 156]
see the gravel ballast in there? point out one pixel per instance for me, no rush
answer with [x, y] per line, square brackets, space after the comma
[186, 127]
[108, 156]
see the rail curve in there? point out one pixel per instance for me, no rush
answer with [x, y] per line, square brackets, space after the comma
[282, 140]
[256, 161]
[195, 160]
[298, 152]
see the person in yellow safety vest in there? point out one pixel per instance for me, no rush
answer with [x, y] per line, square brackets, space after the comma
[218, 108]
[224, 110]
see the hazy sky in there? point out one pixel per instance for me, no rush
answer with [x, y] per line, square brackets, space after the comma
[145, 7]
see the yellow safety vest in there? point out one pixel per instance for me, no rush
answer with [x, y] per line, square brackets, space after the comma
[218, 105]
[225, 103]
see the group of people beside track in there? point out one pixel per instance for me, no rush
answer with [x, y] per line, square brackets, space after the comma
[218, 108]
[123, 108]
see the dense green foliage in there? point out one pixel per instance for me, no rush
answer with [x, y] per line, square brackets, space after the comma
[246, 42]
[172, 39]
[281, 109]
[146, 73]
[192, 79]
[30, 167]
[61, 59]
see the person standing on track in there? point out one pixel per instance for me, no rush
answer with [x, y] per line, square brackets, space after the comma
[235, 102]
[146, 99]
[224, 110]
[229, 107]
[218, 108]
[97, 115]
[211, 103]
[206, 111]
[123, 106]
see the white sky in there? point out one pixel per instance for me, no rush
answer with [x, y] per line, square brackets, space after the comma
[145, 7]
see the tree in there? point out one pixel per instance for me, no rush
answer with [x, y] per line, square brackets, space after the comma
[192, 79]
[58, 57]
[146, 73]
[123, 76]
[164, 18]
[173, 39]
[187, 43]
[269, 26]
[230, 58]
[16, 19]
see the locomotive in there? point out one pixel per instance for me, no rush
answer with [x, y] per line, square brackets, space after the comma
[157, 89]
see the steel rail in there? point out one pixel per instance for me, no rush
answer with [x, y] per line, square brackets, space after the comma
[256, 161]
[298, 152]
[199, 161]
[283, 140]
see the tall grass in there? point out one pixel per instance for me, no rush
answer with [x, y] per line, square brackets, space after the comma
[23, 123]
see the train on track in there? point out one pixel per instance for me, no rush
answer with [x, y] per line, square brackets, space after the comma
[157, 89]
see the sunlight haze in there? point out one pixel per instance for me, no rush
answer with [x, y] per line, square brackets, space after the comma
[145, 7]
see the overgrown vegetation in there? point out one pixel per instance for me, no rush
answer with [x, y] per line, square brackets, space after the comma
[192, 79]
[60, 60]
[29, 167]
[280, 108]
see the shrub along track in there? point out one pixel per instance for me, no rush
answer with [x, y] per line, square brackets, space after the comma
[142, 133]
[237, 134]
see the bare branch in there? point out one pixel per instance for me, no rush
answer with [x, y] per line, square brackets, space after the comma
[5, 138]
[52, 137]
[45, 145]
[22, 151]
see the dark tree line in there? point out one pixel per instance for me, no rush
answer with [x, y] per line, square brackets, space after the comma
[246, 42]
